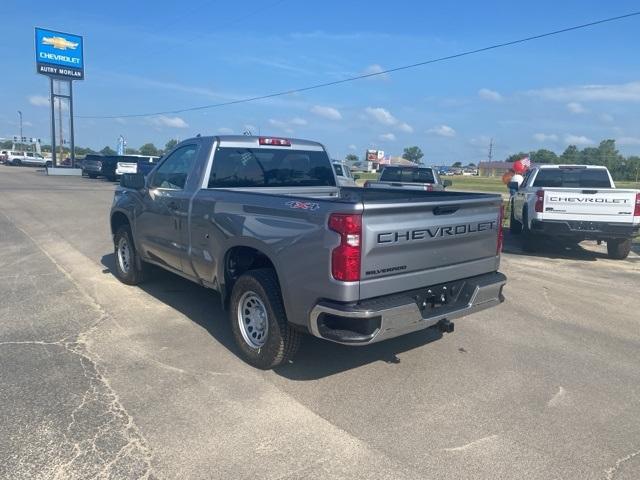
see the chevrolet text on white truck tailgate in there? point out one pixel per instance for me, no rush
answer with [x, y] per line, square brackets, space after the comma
[264, 222]
[572, 203]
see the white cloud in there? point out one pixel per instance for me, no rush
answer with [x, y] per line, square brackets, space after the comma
[442, 131]
[39, 100]
[607, 118]
[405, 127]
[576, 107]
[545, 137]
[628, 141]
[225, 131]
[284, 126]
[352, 147]
[624, 92]
[578, 140]
[326, 112]
[381, 115]
[376, 69]
[171, 122]
[490, 95]
[298, 121]
[387, 137]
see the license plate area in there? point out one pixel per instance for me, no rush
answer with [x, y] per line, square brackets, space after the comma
[442, 297]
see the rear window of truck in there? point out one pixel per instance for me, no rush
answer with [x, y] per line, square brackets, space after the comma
[572, 178]
[248, 167]
[408, 175]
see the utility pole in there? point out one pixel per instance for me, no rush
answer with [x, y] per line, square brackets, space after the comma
[20, 115]
[491, 150]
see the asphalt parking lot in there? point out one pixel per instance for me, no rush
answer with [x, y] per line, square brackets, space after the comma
[103, 380]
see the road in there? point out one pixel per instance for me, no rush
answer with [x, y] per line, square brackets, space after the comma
[102, 380]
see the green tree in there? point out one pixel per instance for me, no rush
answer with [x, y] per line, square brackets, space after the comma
[413, 154]
[544, 156]
[517, 156]
[471, 165]
[170, 144]
[148, 149]
[457, 165]
[6, 144]
[352, 157]
[570, 155]
[108, 151]
[131, 151]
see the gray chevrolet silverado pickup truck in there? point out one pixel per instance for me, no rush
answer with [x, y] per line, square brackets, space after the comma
[261, 221]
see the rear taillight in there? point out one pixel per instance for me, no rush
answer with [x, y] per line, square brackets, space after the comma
[636, 211]
[539, 207]
[367, 184]
[428, 187]
[500, 241]
[345, 258]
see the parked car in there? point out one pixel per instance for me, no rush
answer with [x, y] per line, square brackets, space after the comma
[574, 203]
[30, 159]
[411, 178]
[111, 166]
[131, 163]
[262, 221]
[343, 175]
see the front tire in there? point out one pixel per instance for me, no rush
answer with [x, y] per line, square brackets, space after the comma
[93, 176]
[618, 249]
[130, 269]
[258, 320]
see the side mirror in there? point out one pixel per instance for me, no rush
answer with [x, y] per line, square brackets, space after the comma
[513, 185]
[134, 181]
[447, 183]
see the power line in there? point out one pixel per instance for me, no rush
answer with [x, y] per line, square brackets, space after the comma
[369, 75]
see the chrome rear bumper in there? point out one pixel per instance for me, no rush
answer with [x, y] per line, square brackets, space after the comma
[382, 318]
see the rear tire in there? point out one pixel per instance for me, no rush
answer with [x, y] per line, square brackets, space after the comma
[530, 241]
[130, 268]
[92, 175]
[258, 320]
[515, 227]
[618, 249]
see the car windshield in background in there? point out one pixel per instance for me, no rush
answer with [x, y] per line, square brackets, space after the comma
[247, 167]
[338, 169]
[408, 175]
[572, 178]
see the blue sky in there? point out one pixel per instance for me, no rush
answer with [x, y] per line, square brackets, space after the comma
[142, 57]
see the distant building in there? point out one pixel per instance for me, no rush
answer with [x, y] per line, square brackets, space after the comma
[493, 169]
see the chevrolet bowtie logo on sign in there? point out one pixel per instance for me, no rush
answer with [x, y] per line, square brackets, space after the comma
[59, 54]
[59, 43]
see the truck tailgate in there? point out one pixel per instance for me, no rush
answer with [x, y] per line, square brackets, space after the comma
[417, 244]
[597, 205]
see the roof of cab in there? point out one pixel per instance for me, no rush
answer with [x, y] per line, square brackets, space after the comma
[251, 141]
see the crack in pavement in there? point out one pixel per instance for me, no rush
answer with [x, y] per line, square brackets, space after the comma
[101, 440]
[610, 473]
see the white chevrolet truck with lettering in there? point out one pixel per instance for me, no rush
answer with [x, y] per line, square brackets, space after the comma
[572, 203]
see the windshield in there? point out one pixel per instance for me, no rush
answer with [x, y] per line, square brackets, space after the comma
[248, 167]
[572, 178]
[407, 175]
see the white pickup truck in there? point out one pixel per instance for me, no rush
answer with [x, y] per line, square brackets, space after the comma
[574, 203]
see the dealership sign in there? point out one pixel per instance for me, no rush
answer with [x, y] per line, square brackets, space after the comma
[59, 54]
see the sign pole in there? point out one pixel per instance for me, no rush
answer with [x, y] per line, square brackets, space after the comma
[53, 124]
[71, 134]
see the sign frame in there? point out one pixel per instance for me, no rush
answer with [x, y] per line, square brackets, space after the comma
[69, 66]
